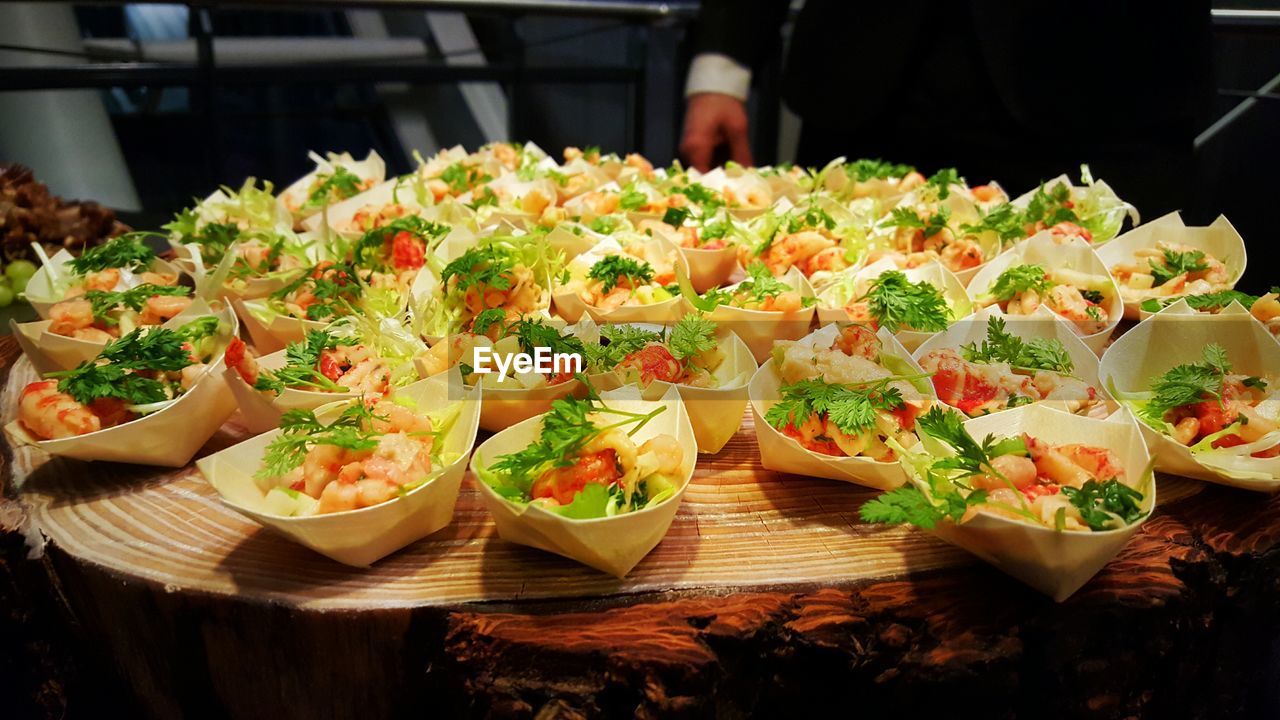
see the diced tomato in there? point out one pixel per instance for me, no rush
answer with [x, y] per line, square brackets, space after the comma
[906, 415]
[1070, 229]
[564, 483]
[330, 367]
[959, 388]
[1213, 416]
[824, 447]
[110, 411]
[654, 362]
[407, 251]
[1227, 441]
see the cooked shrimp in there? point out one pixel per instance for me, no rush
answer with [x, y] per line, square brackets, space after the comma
[793, 249]
[68, 316]
[162, 307]
[50, 415]
[858, 341]
[667, 453]
[104, 280]
[1012, 469]
[238, 358]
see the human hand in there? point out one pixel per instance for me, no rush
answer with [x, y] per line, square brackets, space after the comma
[711, 121]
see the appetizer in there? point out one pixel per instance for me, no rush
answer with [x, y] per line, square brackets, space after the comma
[326, 291]
[687, 354]
[585, 464]
[119, 263]
[1006, 371]
[1207, 407]
[1265, 308]
[807, 239]
[503, 340]
[1066, 487]
[894, 302]
[138, 374]
[101, 315]
[637, 276]
[759, 291]
[368, 455]
[507, 273]
[1091, 211]
[323, 362]
[1081, 298]
[336, 178]
[842, 400]
[1170, 269]
[919, 237]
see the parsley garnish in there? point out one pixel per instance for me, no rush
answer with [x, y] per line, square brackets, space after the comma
[632, 199]
[942, 181]
[335, 286]
[103, 302]
[339, 185]
[617, 342]
[1003, 347]
[145, 349]
[124, 251]
[612, 269]
[896, 302]
[300, 431]
[1019, 279]
[1101, 504]
[692, 335]
[865, 169]
[486, 266]
[1207, 301]
[301, 368]
[368, 250]
[1176, 263]
[1188, 384]
[852, 408]
[1003, 220]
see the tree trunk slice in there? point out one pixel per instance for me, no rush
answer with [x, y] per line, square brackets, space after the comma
[767, 596]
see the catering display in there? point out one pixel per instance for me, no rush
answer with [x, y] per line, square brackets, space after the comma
[610, 321]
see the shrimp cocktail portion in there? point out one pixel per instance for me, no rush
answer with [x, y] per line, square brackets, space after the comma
[842, 400]
[137, 374]
[103, 315]
[1067, 487]
[586, 464]
[370, 453]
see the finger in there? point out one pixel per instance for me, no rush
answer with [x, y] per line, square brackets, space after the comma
[739, 145]
[696, 150]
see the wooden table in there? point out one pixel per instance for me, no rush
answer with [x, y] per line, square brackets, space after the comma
[767, 597]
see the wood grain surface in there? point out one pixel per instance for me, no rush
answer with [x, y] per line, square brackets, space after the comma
[768, 597]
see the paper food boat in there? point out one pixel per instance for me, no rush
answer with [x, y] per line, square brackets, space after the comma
[1115, 215]
[1044, 250]
[357, 537]
[1219, 240]
[50, 352]
[189, 260]
[759, 328]
[1040, 324]
[611, 544]
[783, 454]
[833, 298]
[261, 411]
[715, 413]
[571, 307]
[169, 437]
[42, 294]
[1055, 563]
[371, 170]
[1152, 347]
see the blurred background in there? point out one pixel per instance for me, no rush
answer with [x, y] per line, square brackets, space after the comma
[144, 106]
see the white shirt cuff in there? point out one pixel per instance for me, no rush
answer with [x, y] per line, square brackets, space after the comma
[717, 73]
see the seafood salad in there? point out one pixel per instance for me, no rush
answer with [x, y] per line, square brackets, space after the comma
[325, 292]
[759, 291]
[629, 278]
[102, 315]
[334, 180]
[1083, 299]
[323, 362]
[121, 262]
[1170, 269]
[1210, 409]
[687, 354]
[507, 274]
[892, 301]
[1265, 308]
[1067, 487]
[503, 339]
[137, 374]
[586, 465]
[809, 239]
[844, 400]
[371, 453]
[1006, 371]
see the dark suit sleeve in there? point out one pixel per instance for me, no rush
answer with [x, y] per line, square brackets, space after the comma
[745, 30]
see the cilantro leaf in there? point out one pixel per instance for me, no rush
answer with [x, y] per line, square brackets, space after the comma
[1105, 505]
[300, 431]
[1001, 346]
[1176, 263]
[866, 169]
[896, 303]
[332, 187]
[1188, 384]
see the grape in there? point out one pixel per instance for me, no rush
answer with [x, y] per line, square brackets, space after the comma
[19, 271]
[6, 296]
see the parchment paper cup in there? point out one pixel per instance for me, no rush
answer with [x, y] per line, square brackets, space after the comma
[372, 169]
[1055, 563]
[1040, 324]
[1042, 249]
[340, 216]
[1219, 239]
[50, 352]
[759, 328]
[710, 268]
[357, 537]
[168, 438]
[262, 410]
[1167, 339]
[783, 454]
[271, 331]
[612, 544]
[715, 413]
[833, 297]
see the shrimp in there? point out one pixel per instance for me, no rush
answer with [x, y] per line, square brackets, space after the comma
[368, 377]
[1070, 303]
[93, 334]
[640, 163]
[962, 255]
[68, 316]
[155, 278]
[793, 249]
[104, 280]
[666, 452]
[238, 358]
[49, 414]
[858, 341]
[162, 307]
[785, 302]
[1267, 310]
[1012, 469]
[832, 259]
